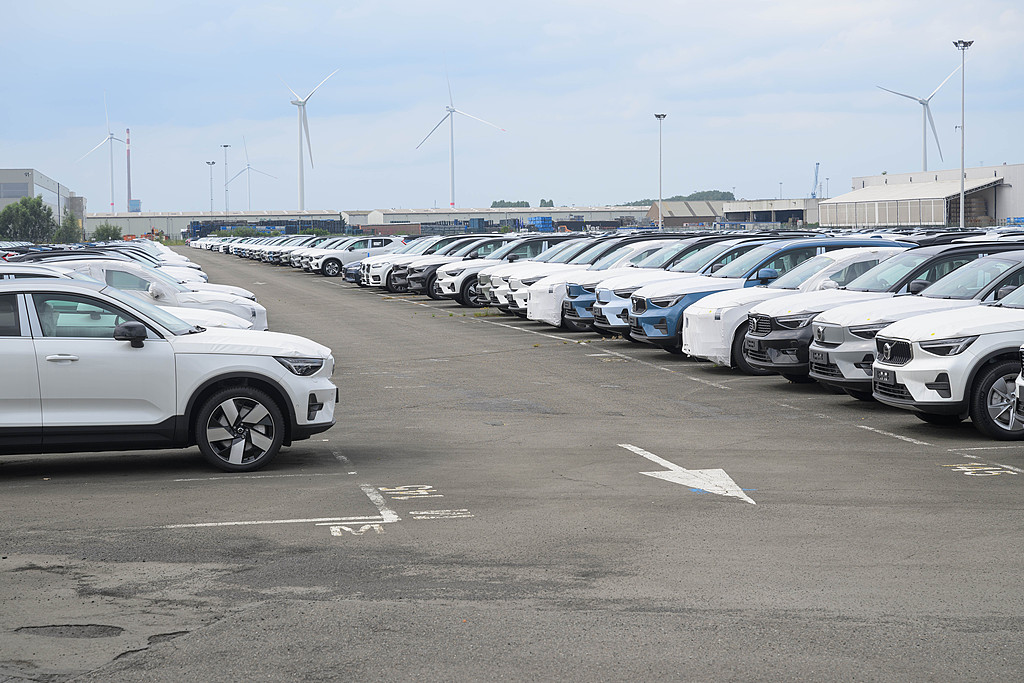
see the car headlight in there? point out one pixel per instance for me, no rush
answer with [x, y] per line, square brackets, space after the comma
[529, 281]
[867, 331]
[624, 293]
[453, 273]
[668, 301]
[794, 322]
[304, 367]
[947, 347]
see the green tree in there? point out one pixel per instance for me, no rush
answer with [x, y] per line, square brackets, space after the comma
[69, 230]
[547, 202]
[504, 204]
[106, 232]
[28, 219]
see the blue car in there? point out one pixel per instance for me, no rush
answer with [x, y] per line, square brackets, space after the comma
[656, 310]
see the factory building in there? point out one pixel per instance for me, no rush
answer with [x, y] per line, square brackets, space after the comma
[993, 195]
[16, 183]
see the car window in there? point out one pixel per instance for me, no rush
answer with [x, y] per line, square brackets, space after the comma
[18, 276]
[10, 325]
[70, 315]
[940, 268]
[377, 243]
[126, 281]
[790, 259]
[358, 244]
[853, 271]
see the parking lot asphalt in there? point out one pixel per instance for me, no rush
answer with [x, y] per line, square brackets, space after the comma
[500, 500]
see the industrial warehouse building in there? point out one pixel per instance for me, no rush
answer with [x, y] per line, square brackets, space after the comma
[993, 195]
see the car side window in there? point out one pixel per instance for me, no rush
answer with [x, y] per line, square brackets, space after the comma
[790, 259]
[10, 325]
[943, 267]
[69, 315]
[1016, 279]
[126, 281]
[374, 244]
[852, 271]
[361, 244]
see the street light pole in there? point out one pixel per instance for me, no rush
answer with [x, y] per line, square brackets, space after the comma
[826, 188]
[962, 45]
[225, 177]
[210, 164]
[780, 189]
[661, 205]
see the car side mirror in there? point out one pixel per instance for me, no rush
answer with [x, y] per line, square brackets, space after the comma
[1004, 291]
[131, 331]
[154, 291]
[917, 286]
[829, 284]
[512, 258]
[767, 275]
[717, 267]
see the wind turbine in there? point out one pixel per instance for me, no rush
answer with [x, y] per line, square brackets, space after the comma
[450, 115]
[248, 174]
[926, 118]
[110, 138]
[300, 102]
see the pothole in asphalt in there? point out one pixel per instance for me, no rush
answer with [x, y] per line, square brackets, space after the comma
[73, 631]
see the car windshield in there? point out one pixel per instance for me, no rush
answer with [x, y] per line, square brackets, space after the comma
[414, 247]
[501, 252]
[472, 246]
[630, 257]
[799, 275]
[1014, 299]
[966, 282]
[888, 273]
[738, 267]
[699, 259]
[667, 253]
[175, 325]
[587, 256]
[566, 254]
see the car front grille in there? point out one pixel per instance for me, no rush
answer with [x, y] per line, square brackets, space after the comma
[757, 355]
[600, 318]
[759, 325]
[826, 370]
[897, 391]
[893, 351]
[639, 304]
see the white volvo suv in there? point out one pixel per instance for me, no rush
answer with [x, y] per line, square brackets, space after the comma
[89, 368]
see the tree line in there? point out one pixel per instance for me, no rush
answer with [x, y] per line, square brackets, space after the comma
[29, 220]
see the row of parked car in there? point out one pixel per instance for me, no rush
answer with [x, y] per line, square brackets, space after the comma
[127, 345]
[928, 323]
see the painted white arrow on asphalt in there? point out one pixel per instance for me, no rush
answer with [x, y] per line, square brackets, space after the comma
[712, 481]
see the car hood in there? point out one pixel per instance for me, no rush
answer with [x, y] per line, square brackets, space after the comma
[747, 296]
[209, 297]
[896, 308]
[225, 289]
[427, 261]
[638, 277]
[810, 302]
[962, 323]
[688, 285]
[593, 279]
[249, 342]
[475, 265]
[204, 317]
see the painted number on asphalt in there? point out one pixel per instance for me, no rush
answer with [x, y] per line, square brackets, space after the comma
[974, 469]
[410, 492]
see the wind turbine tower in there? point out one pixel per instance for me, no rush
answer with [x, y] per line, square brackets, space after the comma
[926, 118]
[450, 116]
[248, 175]
[108, 139]
[300, 102]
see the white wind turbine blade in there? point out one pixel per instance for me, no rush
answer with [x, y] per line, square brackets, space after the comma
[320, 83]
[443, 119]
[237, 174]
[246, 148]
[290, 90]
[928, 99]
[909, 97]
[305, 128]
[928, 110]
[256, 170]
[102, 142]
[457, 111]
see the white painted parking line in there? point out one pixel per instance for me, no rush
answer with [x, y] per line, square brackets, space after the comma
[710, 480]
[231, 477]
[895, 436]
[440, 514]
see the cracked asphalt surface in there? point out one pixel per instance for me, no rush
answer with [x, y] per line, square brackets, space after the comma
[509, 536]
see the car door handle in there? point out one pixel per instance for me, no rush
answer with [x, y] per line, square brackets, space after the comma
[61, 358]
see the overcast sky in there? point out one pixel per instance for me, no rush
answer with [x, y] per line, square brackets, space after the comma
[756, 92]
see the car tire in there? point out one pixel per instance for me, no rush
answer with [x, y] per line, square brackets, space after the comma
[991, 402]
[798, 379]
[392, 287]
[939, 420]
[470, 295]
[331, 268]
[432, 288]
[239, 429]
[739, 361]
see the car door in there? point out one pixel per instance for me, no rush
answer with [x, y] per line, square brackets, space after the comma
[89, 379]
[20, 405]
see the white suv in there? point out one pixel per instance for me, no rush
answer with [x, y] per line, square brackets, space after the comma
[950, 365]
[89, 368]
